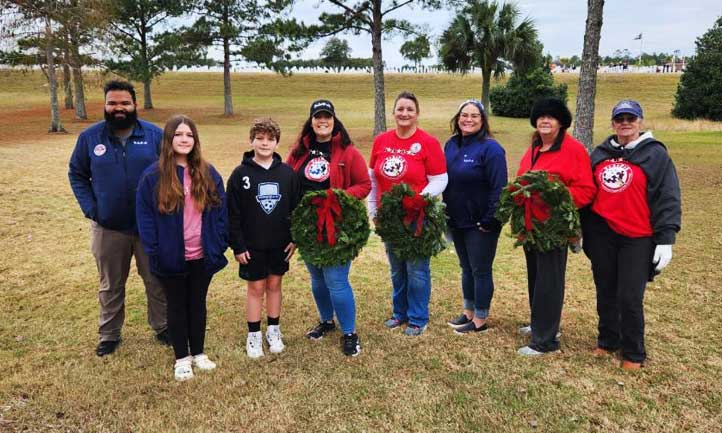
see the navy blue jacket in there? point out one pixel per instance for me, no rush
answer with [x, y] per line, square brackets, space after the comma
[162, 234]
[104, 175]
[477, 173]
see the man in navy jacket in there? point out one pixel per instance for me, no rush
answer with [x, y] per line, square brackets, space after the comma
[105, 167]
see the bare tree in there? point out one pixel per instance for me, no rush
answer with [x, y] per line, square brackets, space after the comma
[42, 12]
[584, 122]
[372, 17]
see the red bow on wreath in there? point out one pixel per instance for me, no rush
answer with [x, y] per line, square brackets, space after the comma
[328, 211]
[534, 207]
[414, 211]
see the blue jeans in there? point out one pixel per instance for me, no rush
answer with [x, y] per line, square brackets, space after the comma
[332, 293]
[476, 251]
[411, 281]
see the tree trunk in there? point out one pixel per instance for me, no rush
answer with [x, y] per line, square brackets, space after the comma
[145, 67]
[485, 86]
[378, 62]
[147, 98]
[67, 86]
[80, 111]
[227, 95]
[584, 122]
[55, 124]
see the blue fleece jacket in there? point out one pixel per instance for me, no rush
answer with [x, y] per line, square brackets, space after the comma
[162, 234]
[104, 174]
[477, 173]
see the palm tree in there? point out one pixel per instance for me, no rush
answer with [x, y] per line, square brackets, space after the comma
[487, 35]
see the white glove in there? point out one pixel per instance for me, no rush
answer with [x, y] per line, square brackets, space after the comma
[662, 256]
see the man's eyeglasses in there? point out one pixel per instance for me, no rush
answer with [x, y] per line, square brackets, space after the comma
[628, 118]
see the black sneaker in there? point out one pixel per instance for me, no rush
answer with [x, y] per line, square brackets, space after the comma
[163, 337]
[470, 327]
[351, 344]
[318, 331]
[459, 321]
[107, 347]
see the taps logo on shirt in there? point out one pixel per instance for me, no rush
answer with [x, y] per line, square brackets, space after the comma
[268, 196]
[99, 150]
[317, 170]
[616, 177]
[394, 167]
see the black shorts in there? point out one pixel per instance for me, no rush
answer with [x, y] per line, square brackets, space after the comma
[264, 263]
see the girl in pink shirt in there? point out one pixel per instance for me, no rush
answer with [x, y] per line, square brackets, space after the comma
[181, 213]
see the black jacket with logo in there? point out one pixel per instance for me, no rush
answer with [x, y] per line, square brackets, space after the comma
[260, 202]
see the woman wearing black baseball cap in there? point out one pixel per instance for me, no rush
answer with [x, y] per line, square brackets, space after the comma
[629, 232]
[555, 151]
[324, 157]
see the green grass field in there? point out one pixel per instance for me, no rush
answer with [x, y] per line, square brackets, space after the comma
[50, 379]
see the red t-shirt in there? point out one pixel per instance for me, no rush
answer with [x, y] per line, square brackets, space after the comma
[409, 160]
[622, 198]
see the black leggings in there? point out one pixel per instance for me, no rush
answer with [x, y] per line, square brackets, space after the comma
[186, 298]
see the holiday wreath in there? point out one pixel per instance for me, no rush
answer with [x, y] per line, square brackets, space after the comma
[329, 227]
[413, 225]
[542, 213]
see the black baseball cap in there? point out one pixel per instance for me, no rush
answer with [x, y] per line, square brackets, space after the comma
[321, 105]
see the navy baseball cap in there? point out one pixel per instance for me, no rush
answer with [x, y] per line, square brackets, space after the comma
[628, 106]
[322, 105]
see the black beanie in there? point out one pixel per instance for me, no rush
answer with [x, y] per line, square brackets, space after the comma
[553, 107]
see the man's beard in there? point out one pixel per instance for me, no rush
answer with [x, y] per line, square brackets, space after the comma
[121, 123]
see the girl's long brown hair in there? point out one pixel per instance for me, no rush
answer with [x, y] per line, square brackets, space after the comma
[170, 189]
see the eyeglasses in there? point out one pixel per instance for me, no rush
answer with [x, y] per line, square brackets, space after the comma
[470, 116]
[628, 118]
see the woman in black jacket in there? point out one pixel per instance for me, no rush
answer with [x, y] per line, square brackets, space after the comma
[629, 229]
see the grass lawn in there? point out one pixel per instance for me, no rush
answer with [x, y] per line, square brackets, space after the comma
[51, 379]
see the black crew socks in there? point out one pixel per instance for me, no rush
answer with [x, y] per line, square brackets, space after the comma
[273, 321]
[254, 326]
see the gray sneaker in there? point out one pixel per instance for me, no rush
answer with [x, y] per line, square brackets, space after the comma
[414, 331]
[394, 323]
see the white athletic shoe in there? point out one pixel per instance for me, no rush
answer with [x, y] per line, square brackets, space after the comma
[203, 363]
[273, 337]
[183, 370]
[254, 345]
[528, 351]
[526, 330]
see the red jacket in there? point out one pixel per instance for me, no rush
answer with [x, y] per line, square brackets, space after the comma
[570, 161]
[348, 168]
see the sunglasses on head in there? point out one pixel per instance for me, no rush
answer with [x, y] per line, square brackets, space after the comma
[629, 118]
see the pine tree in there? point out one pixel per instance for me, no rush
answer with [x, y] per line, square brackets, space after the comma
[699, 91]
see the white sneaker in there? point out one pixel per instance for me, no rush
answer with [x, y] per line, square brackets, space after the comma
[183, 370]
[526, 330]
[202, 362]
[528, 351]
[273, 337]
[254, 345]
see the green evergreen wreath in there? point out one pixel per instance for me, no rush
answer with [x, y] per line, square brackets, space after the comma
[406, 239]
[348, 220]
[542, 212]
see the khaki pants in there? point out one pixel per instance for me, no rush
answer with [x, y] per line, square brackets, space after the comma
[112, 251]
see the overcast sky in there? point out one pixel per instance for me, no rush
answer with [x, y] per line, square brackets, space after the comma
[666, 26]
